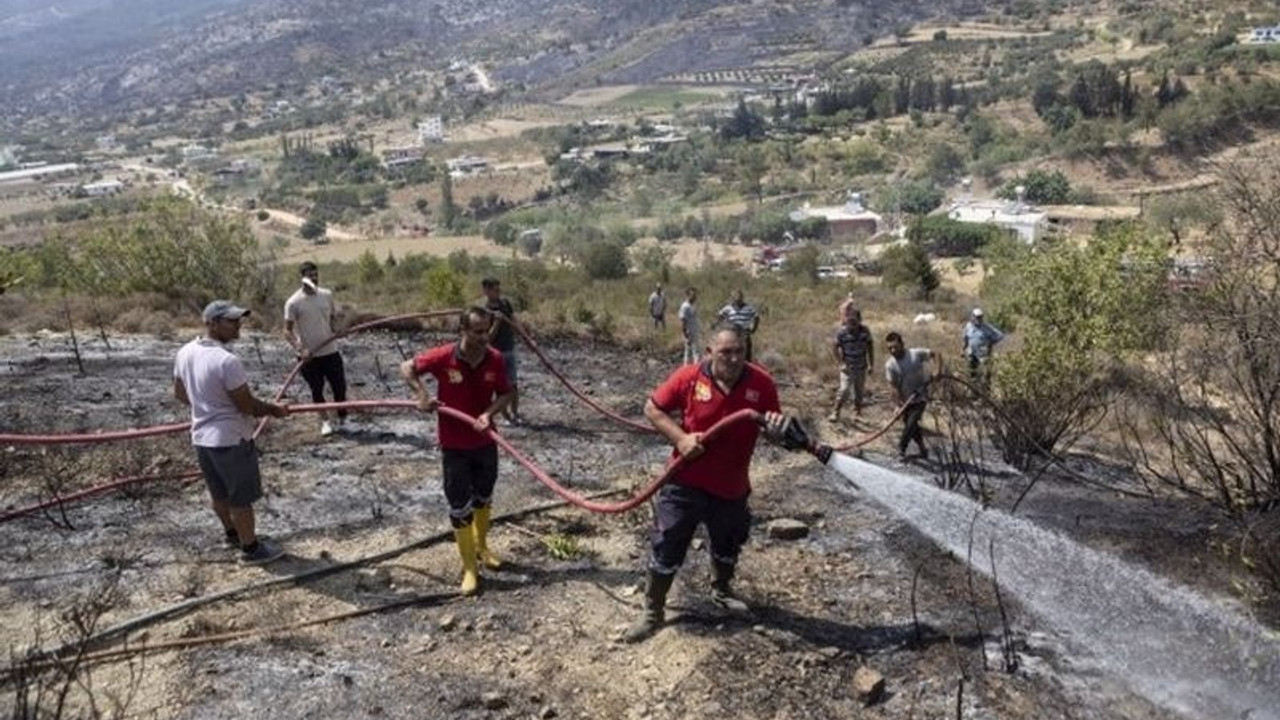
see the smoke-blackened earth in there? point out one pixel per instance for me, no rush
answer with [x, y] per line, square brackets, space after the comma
[862, 588]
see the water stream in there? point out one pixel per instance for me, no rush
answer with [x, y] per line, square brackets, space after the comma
[1179, 649]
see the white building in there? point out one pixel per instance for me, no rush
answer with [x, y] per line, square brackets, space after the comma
[850, 221]
[38, 172]
[401, 156]
[196, 152]
[1027, 222]
[1265, 34]
[431, 130]
[466, 165]
[99, 189]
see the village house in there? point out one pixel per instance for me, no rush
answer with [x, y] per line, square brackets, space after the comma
[466, 165]
[1265, 34]
[1026, 222]
[848, 222]
[401, 156]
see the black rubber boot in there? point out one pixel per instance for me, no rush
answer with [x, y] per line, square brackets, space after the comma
[722, 591]
[655, 599]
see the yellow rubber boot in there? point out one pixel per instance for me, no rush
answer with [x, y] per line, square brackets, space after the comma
[466, 539]
[480, 521]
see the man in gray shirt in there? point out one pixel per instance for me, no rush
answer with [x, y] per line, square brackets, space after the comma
[906, 374]
[658, 308]
[689, 327]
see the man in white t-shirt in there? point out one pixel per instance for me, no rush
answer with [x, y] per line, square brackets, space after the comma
[308, 328]
[689, 327]
[210, 379]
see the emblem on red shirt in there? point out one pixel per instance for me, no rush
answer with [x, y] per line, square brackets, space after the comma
[489, 377]
[752, 396]
[702, 392]
[455, 376]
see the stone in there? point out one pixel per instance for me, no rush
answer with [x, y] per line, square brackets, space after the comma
[493, 700]
[547, 713]
[868, 685]
[787, 529]
[448, 622]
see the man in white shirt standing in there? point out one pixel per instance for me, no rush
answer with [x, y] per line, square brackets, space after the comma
[308, 326]
[689, 327]
[210, 379]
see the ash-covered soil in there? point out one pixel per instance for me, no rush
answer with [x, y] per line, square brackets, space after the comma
[862, 589]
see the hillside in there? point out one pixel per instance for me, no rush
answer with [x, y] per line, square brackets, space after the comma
[92, 57]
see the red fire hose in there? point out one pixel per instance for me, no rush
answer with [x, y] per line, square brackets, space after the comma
[538, 473]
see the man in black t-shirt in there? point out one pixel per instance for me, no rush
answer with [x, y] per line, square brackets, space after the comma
[502, 337]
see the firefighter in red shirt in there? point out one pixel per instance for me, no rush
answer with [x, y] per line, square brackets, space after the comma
[470, 377]
[712, 489]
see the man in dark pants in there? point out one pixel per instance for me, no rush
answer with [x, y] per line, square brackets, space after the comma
[502, 336]
[906, 375]
[308, 328]
[470, 377]
[712, 488]
[211, 380]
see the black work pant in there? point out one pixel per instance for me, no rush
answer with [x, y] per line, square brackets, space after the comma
[469, 477]
[329, 368]
[911, 426]
[680, 510]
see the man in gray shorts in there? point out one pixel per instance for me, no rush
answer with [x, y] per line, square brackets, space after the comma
[210, 379]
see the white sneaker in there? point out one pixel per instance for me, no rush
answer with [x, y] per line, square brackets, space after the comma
[326, 429]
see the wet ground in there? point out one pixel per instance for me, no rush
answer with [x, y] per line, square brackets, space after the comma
[862, 589]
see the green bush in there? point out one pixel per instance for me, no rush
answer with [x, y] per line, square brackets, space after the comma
[908, 266]
[1042, 186]
[368, 269]
[915, 198]
[1078, 310]
[944, 237]
[168, 247]
[444, 287]
[605, 260]
[313, 228]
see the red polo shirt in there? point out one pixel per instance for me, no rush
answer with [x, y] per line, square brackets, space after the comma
[691, 391]
[463, 387]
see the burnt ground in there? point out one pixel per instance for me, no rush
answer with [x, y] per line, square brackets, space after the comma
[862, 589]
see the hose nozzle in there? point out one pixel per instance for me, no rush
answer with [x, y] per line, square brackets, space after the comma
[795, 437]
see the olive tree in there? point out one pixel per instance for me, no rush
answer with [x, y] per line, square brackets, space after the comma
[1207, 419]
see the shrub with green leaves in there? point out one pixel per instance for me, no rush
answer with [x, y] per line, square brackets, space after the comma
[605, 260]
[1041, 186]
[909, 266]
[444, 287]
[944, 237]
[1078, 311]
[169, 247]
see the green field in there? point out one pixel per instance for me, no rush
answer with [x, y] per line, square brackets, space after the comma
[661, 97]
